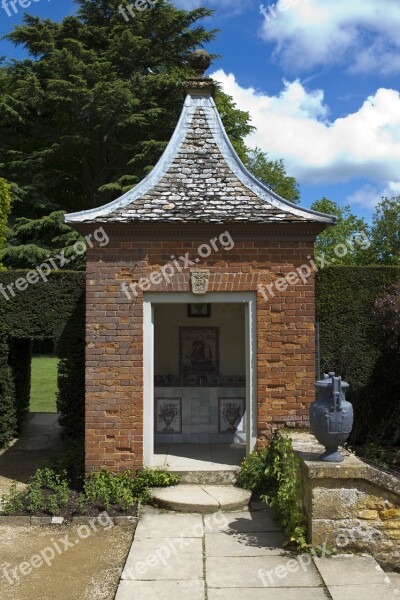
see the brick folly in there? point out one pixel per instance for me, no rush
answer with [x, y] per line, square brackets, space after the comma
[200, 308]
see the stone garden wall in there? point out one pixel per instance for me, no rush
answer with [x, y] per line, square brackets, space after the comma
[351, 506]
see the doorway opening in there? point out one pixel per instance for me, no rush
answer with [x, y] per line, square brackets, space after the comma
[200, 392]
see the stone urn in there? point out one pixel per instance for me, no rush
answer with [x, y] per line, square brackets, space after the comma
[331, 416]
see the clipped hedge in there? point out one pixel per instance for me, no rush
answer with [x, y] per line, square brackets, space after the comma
[352, 347]
[20, 358]
[46, 310]
[8, 418]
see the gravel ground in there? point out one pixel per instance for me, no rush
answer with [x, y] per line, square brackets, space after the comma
[89, 570]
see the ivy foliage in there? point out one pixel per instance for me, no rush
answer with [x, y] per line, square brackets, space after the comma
[272, 474]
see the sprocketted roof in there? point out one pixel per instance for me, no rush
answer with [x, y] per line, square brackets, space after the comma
[201, 179]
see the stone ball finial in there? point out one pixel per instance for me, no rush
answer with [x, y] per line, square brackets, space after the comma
[200, 60]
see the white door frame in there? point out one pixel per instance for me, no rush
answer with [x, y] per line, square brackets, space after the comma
[249, 299]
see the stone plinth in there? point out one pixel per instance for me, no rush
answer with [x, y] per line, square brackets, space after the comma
[351, 506]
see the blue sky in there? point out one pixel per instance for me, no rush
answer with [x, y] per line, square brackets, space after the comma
[320, 78]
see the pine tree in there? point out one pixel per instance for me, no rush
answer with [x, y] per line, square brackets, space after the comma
[5, 208]
[87, 116]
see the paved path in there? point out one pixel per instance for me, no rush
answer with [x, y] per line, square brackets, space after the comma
[39, 439]
[237, 556]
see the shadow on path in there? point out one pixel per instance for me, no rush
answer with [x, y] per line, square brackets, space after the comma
[39, 440]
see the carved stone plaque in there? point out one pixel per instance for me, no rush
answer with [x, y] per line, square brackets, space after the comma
[199, 280]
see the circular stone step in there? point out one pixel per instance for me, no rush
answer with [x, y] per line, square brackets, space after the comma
[201, 498]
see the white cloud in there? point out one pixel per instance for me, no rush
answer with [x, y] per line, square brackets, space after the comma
[368, 196]
[363, 34]
[295, 126]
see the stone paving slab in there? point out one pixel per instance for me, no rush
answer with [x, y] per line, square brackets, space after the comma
[266, 594]
[254, 544]
[246, 522]
[359, 592]
[244, 572]
[350, 570]
[169, 525]
[395, 580]
[162, 590]
[243, 560]
[154, 559]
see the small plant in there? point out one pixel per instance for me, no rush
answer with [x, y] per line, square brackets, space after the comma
[48, 492]
[272, 474]
[153, 478]
[374, 453]
[106, 489]
[12, 502]
[252, 472]
[80, 504]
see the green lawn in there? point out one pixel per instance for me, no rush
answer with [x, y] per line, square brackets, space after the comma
[44, 384]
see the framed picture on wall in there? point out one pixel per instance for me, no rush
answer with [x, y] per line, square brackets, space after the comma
[199, 310]
[168, 415]
[198, 350]
[231, 413]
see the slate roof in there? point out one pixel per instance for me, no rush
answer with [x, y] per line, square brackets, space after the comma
[199, 179]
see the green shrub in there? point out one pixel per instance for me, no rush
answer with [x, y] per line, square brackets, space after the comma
[273, 475]
[148, 478]
[13, 501]
[283, 488]
[252, 472]
[106, 489]
[47, 492]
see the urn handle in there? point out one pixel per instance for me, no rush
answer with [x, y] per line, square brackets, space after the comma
[337, 393]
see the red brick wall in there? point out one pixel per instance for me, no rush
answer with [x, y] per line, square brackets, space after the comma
[114, 373]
